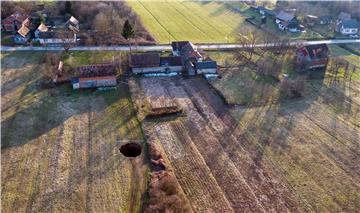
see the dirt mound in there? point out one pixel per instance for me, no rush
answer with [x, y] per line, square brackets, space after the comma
[164, 190]
[164, 111]
[130, 150]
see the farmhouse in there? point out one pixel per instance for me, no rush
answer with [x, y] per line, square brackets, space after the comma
[41, 29]
[348, 27]
[312, 56]
[185, 59]
[56, 31]
[287, 21]
[14, 22]
[22, 35]
[153, 63]
[92, 76]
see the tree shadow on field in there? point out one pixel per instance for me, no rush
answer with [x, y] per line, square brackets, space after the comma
[50, 111]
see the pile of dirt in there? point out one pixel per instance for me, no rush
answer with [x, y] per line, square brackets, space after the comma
[164, 111]
[164, 191]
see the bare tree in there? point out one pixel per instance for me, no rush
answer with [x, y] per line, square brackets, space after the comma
[68, 39]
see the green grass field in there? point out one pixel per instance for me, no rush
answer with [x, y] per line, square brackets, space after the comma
[195, 21]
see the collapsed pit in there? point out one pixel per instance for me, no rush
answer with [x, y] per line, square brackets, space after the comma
[130, 150]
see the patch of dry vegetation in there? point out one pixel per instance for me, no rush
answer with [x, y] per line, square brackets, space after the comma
[60, 148]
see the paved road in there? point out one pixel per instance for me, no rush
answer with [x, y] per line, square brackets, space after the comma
[223, 46]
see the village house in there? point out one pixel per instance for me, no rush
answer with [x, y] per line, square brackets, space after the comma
[312, 56]
[153, 63]
[206, 67]
[186, 59]
[14, 22]
[56, 31]
[23, 35]
[348, 27]
[266, 12]
[323, 20]
[93, 76]
[40, 29]
[287, 21]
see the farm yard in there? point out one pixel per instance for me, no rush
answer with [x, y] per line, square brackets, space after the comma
[60, 148]
[199, 22]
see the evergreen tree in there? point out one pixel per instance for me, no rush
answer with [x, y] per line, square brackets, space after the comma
[68, 7]
[128, 30]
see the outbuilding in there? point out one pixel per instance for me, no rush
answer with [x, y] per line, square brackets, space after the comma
[312, 56]
[93, 76]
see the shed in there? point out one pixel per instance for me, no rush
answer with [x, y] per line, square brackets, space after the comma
[177, 46]
[206, 67]
[92, 76]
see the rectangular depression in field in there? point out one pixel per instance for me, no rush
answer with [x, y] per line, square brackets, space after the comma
[184, 20]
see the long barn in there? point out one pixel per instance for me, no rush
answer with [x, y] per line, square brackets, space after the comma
[93, 76]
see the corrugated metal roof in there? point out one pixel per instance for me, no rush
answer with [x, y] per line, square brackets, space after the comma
[96, 70]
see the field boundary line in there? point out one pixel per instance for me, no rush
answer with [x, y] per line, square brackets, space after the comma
[157, 20]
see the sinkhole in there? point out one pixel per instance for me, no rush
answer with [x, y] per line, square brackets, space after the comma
[130, 150]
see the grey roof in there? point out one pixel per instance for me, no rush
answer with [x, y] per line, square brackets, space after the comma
[266, 11]
[178, 45]
[145, 60]
[285, 16]
[344, 16]
[205, 64]
[351, 23]
[171, 61]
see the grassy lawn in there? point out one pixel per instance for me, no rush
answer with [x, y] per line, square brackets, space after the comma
[195, 21]
[239, 85]
[81, 58]
[60, 148]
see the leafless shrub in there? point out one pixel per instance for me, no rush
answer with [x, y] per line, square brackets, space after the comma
[293, 88]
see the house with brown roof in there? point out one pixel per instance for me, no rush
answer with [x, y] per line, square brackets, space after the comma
[312, 56]
[93, 76]
[40, 29]
[13, 22]
[57, 30]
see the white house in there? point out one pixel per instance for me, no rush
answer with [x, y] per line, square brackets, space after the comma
[349, 27]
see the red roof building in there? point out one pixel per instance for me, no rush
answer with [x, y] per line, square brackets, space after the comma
[14, 21]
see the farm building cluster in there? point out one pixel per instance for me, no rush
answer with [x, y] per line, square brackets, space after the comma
[185, 59]
[39, 27]
[287, 20]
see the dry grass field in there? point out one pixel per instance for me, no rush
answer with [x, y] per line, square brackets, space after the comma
[60, 148]
[294, 156]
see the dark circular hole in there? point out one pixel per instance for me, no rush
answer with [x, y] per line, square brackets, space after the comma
[130, 150]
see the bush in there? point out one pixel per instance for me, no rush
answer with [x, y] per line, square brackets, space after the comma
[293, 88]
